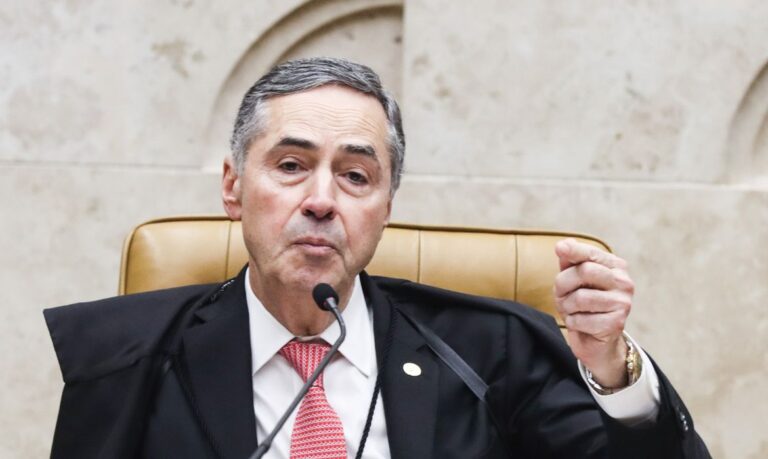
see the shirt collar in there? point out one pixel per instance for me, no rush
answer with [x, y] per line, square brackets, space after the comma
[268, 335]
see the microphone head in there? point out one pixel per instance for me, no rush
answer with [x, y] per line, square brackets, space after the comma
[321, 293]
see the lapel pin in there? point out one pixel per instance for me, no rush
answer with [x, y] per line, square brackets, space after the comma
[411, 369]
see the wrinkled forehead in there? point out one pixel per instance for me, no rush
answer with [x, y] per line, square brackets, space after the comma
[331, 112]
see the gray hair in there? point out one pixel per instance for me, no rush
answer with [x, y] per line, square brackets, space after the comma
[304, 74]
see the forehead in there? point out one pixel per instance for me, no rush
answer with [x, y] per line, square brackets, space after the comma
[329, 113]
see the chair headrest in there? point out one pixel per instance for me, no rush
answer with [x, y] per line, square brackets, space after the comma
[517, 265]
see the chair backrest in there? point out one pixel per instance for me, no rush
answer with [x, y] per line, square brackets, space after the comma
[517, 265]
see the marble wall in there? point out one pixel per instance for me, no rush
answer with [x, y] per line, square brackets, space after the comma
[641, 122]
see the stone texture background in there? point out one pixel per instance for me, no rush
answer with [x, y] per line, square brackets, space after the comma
[642, 122]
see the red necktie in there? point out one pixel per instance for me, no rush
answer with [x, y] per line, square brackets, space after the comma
[318, 432]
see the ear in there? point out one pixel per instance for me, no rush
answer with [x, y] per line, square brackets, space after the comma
[389, 212]
[230, 190]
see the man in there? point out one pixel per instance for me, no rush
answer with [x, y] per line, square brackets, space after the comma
[206, 371]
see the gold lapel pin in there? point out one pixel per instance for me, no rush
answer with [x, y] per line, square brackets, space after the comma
[411, 369]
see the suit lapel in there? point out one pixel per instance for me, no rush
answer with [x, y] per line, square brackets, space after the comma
[410, 401]
[217, 353]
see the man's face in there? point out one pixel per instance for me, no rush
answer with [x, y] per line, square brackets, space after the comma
[314, 194]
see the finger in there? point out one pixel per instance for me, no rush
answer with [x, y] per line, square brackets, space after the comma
[598, 325]
[563, 250]
[591, 275]
[571, 252]
[588, 301]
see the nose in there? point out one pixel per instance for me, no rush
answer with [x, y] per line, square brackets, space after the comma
[320, 202]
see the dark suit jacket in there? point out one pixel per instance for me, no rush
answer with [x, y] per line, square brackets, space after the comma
[133, 391]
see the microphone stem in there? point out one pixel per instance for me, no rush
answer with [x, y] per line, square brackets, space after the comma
[265, 445]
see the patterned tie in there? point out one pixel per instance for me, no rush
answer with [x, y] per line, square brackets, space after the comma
[318, 432]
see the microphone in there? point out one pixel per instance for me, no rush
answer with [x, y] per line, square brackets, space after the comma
[326, 299]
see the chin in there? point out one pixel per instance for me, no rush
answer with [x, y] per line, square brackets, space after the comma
[306, 278]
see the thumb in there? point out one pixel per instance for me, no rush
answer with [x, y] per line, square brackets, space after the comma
[563, 252]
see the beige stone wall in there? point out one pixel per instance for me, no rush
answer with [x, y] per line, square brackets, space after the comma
[642, 122]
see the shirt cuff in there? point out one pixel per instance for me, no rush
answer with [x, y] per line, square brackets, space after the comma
[636, 404]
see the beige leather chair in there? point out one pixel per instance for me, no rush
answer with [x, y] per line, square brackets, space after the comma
[517, 265]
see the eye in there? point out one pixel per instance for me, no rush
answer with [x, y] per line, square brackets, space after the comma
[357, 178]
[289, 166]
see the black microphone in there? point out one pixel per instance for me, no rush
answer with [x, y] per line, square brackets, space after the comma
[326, 299]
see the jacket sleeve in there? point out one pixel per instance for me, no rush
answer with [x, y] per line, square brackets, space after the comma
[551, 413]
[110, 352]
[104, 417]
[672, 435]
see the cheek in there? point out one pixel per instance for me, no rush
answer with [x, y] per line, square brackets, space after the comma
[368, 227]
[268, 211]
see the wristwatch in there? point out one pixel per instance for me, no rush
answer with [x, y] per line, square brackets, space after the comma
[634, 369]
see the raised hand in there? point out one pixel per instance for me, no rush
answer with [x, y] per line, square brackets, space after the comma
[594, 297]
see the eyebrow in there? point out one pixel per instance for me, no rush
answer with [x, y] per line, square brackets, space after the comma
[358, 149]
[296, 142]
[352, 148]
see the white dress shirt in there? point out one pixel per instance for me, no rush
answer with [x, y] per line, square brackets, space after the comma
[350, 378]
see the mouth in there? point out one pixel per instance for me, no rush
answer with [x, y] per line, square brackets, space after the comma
[315, 245]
